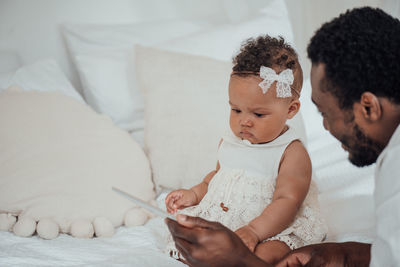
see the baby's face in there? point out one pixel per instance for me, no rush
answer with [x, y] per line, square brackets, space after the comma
[256, 117]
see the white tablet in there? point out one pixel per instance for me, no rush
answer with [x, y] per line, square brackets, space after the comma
[145, 205]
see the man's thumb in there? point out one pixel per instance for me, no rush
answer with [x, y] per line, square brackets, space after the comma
[191, 222]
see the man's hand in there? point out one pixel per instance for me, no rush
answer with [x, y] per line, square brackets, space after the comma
[205, 243]
[180, 199]
[248, 236]
[350, 254]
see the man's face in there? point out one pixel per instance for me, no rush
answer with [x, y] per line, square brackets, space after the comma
[342, 123]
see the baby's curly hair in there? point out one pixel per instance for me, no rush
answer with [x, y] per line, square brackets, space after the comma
[270, 52]
[361, 52]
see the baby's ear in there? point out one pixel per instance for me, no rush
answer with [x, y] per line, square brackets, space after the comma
[294, 107]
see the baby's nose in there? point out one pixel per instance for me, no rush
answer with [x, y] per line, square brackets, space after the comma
[246, 122]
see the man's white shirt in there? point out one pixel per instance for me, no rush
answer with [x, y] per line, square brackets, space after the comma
[385, 249]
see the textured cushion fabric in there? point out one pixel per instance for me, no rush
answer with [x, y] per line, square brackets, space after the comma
[59, 160]
[186, 113]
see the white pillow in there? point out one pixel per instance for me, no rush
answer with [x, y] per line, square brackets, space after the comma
[346, 191]
[43, 75]
[101, 54]
[186, 114]
[59, 161]
[5, 78]
[9, 61]
[223, 41]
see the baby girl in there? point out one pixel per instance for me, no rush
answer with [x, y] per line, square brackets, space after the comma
[261, 187]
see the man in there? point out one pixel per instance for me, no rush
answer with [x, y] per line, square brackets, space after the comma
[355, 80]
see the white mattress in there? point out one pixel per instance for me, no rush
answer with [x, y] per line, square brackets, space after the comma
[135, 246]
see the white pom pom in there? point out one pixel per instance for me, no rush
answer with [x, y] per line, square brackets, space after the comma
[82, 229]
[103, 227]
[7, 221]
[47, 229]
[64, 225]
[135, 217]
[24, 227]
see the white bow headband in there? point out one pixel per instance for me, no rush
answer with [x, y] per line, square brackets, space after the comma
[283, 81]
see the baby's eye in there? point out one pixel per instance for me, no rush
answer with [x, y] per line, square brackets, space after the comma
[236, 110]
[259, 115]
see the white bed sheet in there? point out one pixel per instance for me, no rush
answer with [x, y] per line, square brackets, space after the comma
[135, 246]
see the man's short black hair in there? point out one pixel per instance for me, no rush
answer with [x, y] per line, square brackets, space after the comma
[361, 52]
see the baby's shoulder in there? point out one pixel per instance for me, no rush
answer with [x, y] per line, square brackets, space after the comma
[296, 146]
[296, 153]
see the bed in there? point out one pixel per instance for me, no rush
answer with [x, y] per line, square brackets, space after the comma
[115, 70]
[135, 246]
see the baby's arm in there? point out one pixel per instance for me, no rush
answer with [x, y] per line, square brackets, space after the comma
[201, 189]
[292, 185]
[182, 198]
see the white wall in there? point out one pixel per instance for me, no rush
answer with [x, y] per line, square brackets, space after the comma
[308, 15]
[31, 27]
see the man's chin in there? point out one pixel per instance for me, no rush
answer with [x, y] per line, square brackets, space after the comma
[362, 160]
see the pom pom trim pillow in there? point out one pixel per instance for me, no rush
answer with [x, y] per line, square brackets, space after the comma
[59, 160]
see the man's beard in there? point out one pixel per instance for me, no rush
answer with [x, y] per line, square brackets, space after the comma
[363, 151]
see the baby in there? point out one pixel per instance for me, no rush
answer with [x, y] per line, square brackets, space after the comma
[261, 187]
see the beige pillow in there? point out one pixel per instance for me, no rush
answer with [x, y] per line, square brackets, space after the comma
[186, 113]
[59, 160]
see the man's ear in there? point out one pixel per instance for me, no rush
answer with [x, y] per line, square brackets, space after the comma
[293, 108]
[370, 107]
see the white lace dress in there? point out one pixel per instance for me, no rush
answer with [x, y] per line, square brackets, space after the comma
[244, 186]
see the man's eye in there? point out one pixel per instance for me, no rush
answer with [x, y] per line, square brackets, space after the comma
[259, 115]
[320, 112]
[236, 110]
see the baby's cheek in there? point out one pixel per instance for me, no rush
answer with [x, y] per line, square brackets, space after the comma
[234, 128]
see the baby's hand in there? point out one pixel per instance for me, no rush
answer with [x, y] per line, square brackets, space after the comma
[248, 236]
[180, 199]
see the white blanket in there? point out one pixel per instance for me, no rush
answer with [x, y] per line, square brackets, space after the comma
[135, 246]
